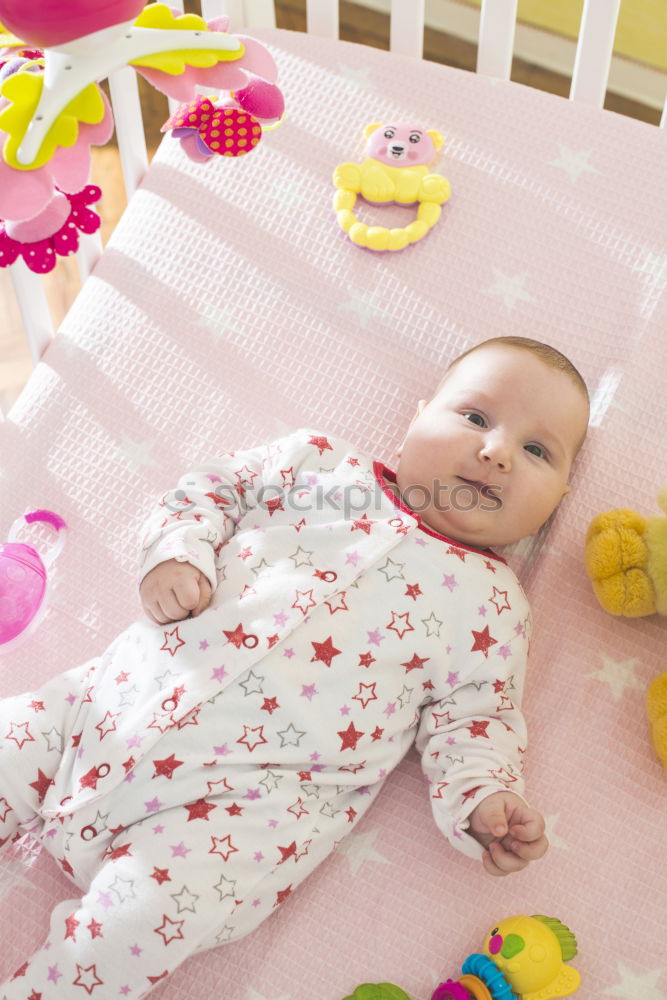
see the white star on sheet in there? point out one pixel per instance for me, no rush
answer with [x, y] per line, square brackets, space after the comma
[618, 674]
[358, 76]
[634, 985]
[363, 306]
[137, 453]
[359, 848]
[509, 288]
[574, 162]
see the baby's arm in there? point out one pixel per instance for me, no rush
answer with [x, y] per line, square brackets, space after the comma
[511, 832]
[174, 590]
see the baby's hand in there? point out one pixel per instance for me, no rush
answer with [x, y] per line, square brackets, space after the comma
[174, 590]
[511, 832]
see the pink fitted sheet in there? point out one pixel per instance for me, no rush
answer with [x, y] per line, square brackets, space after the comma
[228, 308]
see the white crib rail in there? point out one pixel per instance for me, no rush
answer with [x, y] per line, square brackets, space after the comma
[495, 47]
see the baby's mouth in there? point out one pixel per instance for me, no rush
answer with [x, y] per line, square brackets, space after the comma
[488, 491]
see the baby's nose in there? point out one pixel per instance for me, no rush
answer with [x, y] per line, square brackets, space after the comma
[496, 451]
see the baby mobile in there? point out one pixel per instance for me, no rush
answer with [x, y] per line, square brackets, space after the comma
[53, 53]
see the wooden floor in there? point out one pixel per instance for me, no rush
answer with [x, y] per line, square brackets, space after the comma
[357, 24]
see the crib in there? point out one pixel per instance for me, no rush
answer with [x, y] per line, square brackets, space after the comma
[228, 308]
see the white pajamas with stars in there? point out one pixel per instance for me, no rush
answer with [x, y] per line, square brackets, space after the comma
[189, 778]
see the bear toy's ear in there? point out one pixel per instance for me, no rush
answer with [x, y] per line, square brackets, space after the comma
[368, 131]
[437, 137]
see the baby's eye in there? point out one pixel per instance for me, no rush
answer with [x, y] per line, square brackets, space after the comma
[537, 450]
[476, 418]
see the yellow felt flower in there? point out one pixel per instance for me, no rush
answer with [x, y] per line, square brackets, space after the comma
[158, 15]
[23, 90]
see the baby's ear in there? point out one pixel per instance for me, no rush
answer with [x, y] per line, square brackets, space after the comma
[368, 131]
[437, 137]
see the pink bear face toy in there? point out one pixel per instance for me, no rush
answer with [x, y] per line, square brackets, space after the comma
[401, 145]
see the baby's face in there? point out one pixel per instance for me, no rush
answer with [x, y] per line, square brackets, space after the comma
[488, 459]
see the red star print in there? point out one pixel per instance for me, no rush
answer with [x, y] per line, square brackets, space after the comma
[304, 775]
[66, 866]
[324, 651]
[321, 444]
[282, 896]
[95, 929]
[287, 852]
[270, 705]
[122, 677]
[276, 503]
[166, 767]
[160, 875]
[41, 785]
[234, 809]
[350, 737]
[441, 787]
[89, 983]
[129, 764]
[351, 814]
[498, 686]
[247, 738]
[400, 630]
[166, 929]
[416, 663]
[172, 641]
[35, 996]
[199, 809]
[354, 462]
[122, 851]
[304, 601]
[273, 639]
[37, 706]
[362, 524]
[470, 794]
[483, 641]
[442, 719]
[71, 924]
[377, 734]
[428, 686]
[500, 600]
[478, 728]
[300, 524]
[454, 551]
[20, 972]
[489, 565]
[224, 852]
[237, 636]
[365, 693]
[156, 979]
[365, 659]
[413, 591]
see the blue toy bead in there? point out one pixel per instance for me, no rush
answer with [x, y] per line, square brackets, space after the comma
[487, 970]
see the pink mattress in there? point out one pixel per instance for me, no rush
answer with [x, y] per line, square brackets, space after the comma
[228, 308]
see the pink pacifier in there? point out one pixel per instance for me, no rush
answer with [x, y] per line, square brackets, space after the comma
[23, 579]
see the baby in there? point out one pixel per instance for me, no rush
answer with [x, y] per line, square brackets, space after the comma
[310, 615]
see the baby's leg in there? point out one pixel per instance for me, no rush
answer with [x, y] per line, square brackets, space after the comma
[33, 730]
[160, 891]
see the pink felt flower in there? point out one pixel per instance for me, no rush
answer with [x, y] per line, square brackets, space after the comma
[40, 254]
[24, 194]
[256, 60]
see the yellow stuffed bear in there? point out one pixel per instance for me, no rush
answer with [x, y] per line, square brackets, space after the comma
[626, 559]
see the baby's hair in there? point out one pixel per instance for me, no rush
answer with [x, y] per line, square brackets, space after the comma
[547, 354]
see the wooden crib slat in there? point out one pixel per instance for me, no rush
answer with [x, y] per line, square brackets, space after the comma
[406, 34]
[129, 127]
[497, 25]
[322, 18]
[33, 307]
[260, 14]
[594, 51]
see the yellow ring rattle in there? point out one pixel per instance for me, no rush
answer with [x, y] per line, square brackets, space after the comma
[396, 169]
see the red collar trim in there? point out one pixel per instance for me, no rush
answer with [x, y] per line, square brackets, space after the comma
[380, 470]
